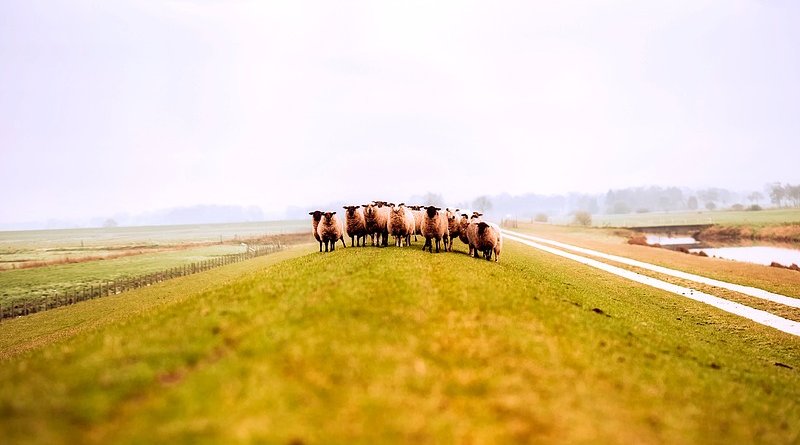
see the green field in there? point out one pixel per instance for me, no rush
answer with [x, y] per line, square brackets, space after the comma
[24, 284]
[73, 259]
[397, 346]
[147, 235]
[726, 217]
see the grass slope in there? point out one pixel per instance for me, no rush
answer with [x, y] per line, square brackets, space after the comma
[399, 346]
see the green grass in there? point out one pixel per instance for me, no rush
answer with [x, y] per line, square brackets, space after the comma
[160, 235]
[399, 346]
[30, 284]
[724, 217]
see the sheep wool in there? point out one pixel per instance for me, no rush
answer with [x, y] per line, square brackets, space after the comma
[488, 240]
[330, 230]
[355, 225]
[434, 227]
[316, 216]
[400, 224]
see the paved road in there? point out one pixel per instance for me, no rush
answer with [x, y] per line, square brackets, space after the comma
[756, 315]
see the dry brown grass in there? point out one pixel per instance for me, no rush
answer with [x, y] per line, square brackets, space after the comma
[779, 280]
[785, 233]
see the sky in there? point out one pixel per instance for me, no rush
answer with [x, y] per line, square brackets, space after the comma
[131, 106]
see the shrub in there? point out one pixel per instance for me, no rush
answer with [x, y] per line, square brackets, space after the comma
[540, 217]
[638, 240]
[754, 208]
[737, 207]
[583, 218]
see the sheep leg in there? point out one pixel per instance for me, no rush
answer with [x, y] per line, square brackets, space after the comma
[320, 246]
[438, 242]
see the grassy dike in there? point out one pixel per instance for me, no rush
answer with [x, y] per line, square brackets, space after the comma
[400, 346]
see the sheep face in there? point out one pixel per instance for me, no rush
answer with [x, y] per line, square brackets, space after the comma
[316, 215]
[327, 216]
[431, 211]
[351, 210]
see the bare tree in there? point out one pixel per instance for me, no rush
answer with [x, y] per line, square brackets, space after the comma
[755, 197]
[482, 203]
[776, 193]
[433, 199]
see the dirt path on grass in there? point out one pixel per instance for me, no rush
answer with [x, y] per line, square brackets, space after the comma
[756, 315]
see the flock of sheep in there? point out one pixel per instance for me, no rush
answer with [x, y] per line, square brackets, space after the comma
[380, 219]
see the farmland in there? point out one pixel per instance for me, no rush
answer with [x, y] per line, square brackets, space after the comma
[723, 217]
[397, 346]
[66, 260]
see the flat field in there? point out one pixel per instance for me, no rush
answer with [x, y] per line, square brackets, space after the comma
[397, 346]
[72, 259]
[725, 217]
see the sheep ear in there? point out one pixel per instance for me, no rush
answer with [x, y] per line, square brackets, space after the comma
[310, 213]
[344, 207]
[437, 208]
[356, 207]
[333, 213]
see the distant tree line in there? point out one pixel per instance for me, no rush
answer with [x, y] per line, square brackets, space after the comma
[784, 195]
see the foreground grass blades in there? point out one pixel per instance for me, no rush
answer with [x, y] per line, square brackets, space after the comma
[400, 346]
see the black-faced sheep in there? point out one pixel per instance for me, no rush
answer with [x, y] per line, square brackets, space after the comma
[453, 226]
[434, 226]
[401, 224]
[489, 240]
[330, 230]
[484, 238]
[472, 233]
[316, 216]
[355, 225]
[377, 217]
[417, 211]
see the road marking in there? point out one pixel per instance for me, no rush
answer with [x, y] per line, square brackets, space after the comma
[747, 290]
[756, 315]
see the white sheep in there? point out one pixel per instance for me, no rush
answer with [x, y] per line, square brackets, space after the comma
[484, 238]
[377, 217]
[355, 225]
[316, 216]
[434, 226]
[400, 224]
[330, 230]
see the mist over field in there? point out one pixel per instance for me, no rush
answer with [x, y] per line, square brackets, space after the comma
[147, 112]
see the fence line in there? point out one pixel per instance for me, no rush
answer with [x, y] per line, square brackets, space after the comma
[118, 286]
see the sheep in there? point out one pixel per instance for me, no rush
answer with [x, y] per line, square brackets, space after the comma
[355, 225]
[401, 224]
[417, 211]
[434, 226]
[382, 221]
[330, 231]
[484, 238]
[488, 240]
[316, 216]
[463, 224]
[472, 232]
[453, 226]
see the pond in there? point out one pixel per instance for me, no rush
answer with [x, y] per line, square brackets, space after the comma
[765, 255]
[785, 255]
[665, 240]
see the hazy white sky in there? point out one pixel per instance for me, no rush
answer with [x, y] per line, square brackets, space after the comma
[110, 106]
